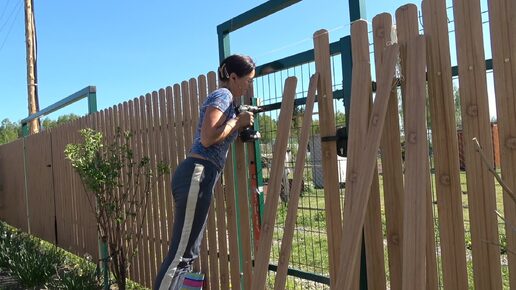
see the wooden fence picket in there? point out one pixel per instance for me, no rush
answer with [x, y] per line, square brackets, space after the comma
[293, 203]
[391, 159]
[373, 235]
[416, 175]
[329, 149]
[503, 43]
[271, 202]
[476, 124]
[445, 144]
[408, 33]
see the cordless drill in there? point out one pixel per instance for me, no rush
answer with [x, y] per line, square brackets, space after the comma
[248, 134]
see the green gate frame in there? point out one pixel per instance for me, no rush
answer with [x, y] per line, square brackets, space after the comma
[343, 47]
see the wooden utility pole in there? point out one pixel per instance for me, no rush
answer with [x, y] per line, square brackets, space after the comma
[32, 80]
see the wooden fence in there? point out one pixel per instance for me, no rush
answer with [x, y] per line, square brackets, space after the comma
[51, 202]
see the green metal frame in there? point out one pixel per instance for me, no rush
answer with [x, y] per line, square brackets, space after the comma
[89, 92]
[357, 11]
[223, 31]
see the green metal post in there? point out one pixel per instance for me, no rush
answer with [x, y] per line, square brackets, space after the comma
[357, 10]
[92, 102]
[345, 44]
[103, 247]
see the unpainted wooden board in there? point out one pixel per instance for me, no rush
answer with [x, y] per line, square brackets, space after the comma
[476, 124]
[329, 149]
[502, 23]
[271, 202]
[290, 220]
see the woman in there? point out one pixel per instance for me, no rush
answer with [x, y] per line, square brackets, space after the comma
[194, 179]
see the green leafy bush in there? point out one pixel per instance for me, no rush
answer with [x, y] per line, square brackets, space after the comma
[79, 275]
[118, 187]
[33, 265]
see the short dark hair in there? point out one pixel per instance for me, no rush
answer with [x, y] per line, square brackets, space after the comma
[241, 65]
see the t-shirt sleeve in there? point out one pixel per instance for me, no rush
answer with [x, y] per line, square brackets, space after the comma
[220, 100]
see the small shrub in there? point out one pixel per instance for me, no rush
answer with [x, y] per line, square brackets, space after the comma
[78, 275]
[32, 265]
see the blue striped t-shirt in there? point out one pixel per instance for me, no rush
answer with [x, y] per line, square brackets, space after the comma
[221, 99]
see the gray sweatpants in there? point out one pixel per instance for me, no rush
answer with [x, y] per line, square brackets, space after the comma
[192, 188]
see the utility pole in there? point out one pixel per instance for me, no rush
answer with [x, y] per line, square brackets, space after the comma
[32, 77]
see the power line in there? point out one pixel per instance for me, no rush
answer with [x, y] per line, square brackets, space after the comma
[5, 8]
[11, 26]
[10, 15]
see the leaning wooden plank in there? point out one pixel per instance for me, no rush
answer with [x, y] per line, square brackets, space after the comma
[445, 144]
[290, 221]
[373, 235]
[391, 159]
[502, 22]
[362, 97]
[271, 202]
[329, 149]
[359, 113]
[361, 180]
[476, 123]
[414, 210]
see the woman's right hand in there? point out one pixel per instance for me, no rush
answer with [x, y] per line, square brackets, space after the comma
[245, 119]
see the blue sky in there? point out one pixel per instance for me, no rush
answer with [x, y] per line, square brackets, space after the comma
[128, 48]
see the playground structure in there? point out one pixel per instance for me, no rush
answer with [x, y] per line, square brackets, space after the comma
[425, 245]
